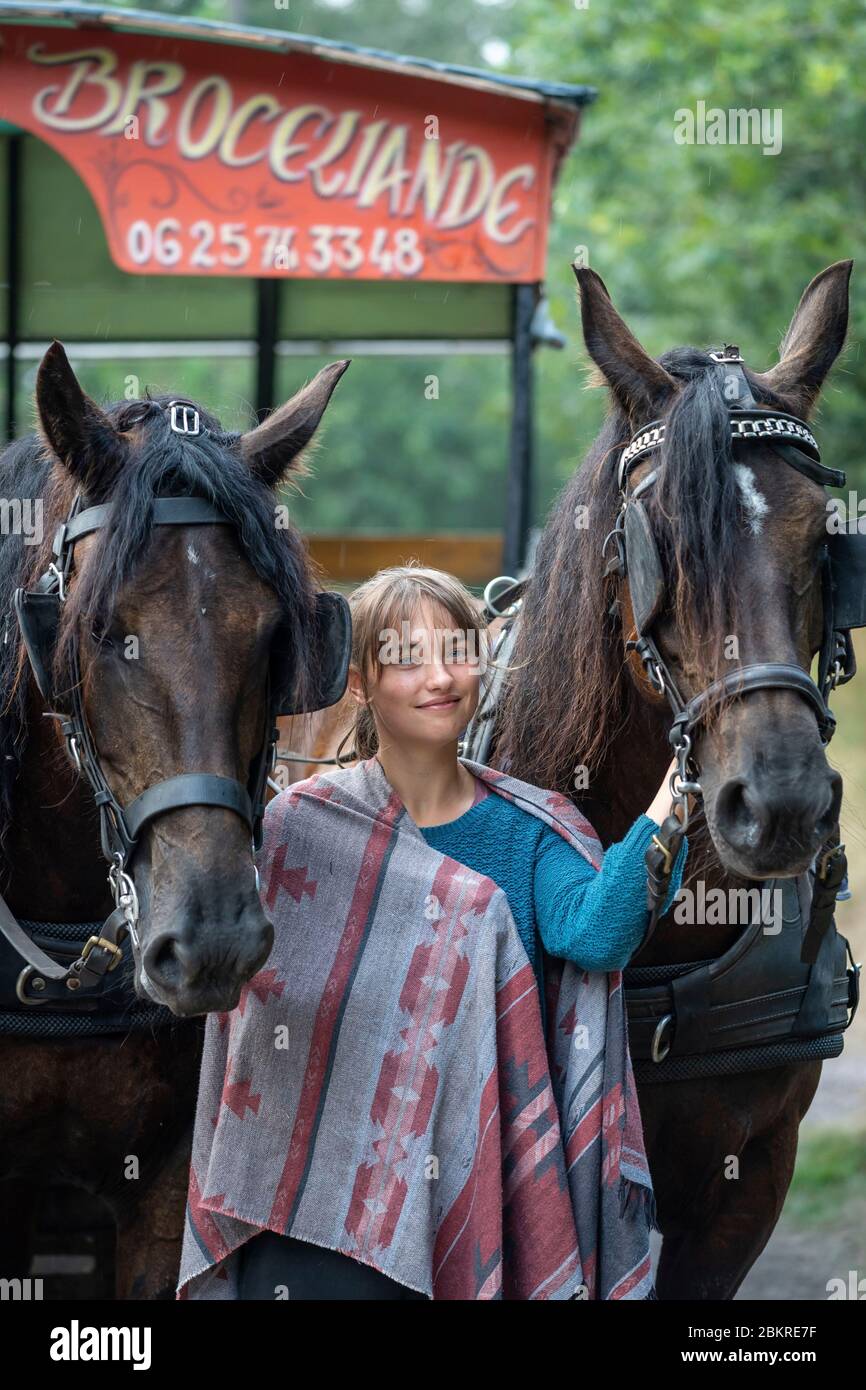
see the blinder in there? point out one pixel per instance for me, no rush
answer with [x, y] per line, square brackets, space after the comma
[847, 553]
[332, 644]
[644, 567]
[638, 558]
[38, 617]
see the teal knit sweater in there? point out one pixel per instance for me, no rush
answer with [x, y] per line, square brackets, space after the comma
[595, 918]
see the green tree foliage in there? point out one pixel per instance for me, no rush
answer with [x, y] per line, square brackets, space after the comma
[703, 243]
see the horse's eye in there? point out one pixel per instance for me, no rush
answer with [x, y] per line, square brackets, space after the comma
[134, 417]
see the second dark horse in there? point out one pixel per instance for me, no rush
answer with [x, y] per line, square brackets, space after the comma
[741, 548]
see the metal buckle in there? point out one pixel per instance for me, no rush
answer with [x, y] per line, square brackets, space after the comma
[72, 745]
[490, 600]
[125, 896]
[729, 353]
[184, 418]
[656, 1049]
[668, 854]
[95, 941]
[823, 866]
[61, 585]
[22, 980]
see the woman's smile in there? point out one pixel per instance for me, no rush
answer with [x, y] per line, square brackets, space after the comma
[446, 702]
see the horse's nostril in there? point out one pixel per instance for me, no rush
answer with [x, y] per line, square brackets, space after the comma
[737, 814]
[166, 962]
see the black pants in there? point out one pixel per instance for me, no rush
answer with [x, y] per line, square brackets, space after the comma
[309, 1272]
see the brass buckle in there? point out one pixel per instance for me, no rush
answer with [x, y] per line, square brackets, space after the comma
[95, 941]
[668, 854]
[823, 867]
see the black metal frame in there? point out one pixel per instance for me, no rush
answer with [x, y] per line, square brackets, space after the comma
[13, 246]
[519, 487]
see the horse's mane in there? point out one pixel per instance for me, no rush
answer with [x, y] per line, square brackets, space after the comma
[165, 463]
[571, 693]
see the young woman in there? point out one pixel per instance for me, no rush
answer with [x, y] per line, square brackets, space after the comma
[419, 654]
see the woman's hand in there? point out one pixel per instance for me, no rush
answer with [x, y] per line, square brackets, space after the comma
[661, 802]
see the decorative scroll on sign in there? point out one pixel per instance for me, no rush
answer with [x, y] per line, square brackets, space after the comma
[205, 159]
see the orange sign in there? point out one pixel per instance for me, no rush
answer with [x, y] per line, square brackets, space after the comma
[209, 159]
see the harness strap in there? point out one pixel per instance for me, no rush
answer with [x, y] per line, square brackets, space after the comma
[756, 993]
[188, 789]
[25, 946]
[831, 869]
[760, 675]
[818, 472]
[660, 859]
[167, 511]
[44, 980]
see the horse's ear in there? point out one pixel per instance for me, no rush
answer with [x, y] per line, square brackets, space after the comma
[814, 339]
[272, 447]
[641, 387]
[81, 435]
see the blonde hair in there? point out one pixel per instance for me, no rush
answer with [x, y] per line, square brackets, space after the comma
[387, 600]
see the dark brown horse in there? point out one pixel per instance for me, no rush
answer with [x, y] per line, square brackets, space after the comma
[741, 556]
[208, 605]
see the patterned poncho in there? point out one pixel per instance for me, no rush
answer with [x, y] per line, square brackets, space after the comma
[383, 1087]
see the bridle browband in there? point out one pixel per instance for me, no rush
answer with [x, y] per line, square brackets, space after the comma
[760, 425]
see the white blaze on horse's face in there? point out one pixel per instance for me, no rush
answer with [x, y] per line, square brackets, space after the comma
[754, 502]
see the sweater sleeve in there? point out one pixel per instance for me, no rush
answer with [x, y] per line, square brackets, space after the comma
[597, 918]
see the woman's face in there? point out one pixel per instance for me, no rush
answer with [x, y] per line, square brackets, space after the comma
[427, 688]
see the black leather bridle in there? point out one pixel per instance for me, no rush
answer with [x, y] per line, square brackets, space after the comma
[120, 826]
[637, 561]
[38, 612]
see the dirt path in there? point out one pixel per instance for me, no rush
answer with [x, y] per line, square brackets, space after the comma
[797, 1263]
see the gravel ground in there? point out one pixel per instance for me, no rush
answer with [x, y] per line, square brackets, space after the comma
[797, 1263]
